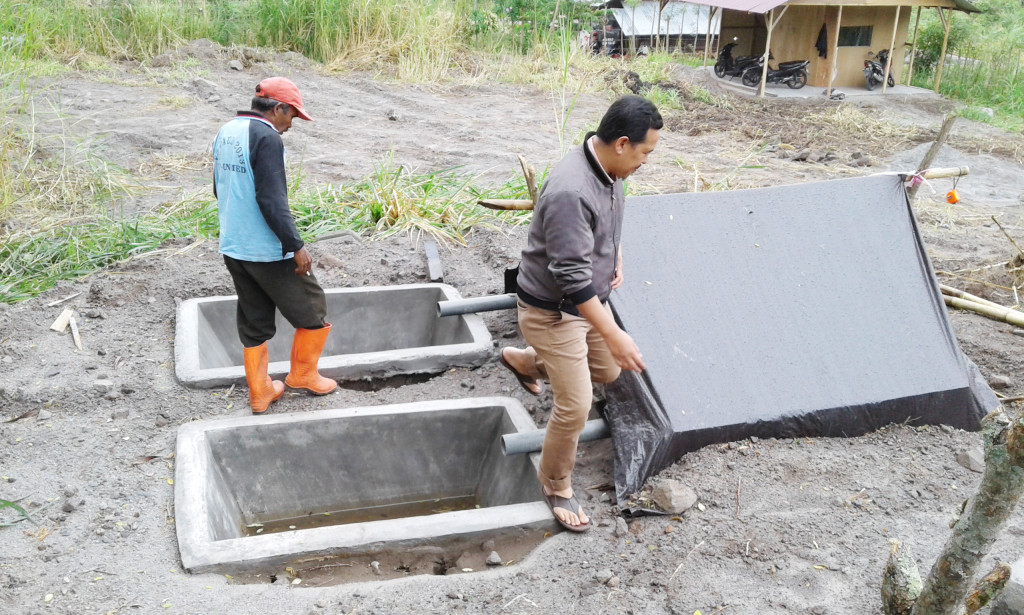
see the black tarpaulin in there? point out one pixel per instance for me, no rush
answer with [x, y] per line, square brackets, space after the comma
[804, 310]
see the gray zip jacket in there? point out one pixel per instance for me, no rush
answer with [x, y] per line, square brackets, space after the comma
[573, 242]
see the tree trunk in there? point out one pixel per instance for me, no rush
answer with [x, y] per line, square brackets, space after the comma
[1002, 484]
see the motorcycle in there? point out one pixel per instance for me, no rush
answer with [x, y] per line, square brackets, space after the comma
[793, 74]
[733, 67]
[874, 70]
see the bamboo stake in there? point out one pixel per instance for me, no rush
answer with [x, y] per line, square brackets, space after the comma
[1007, 235]
[913, 48]
[983, 517]
[531, 178]
[988, 588]
[507, 204]
[892, 44]
[1001, 314]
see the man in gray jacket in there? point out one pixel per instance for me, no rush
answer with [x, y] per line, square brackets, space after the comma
[572, 261]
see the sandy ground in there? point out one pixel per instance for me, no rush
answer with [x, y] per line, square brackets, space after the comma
[794, 526]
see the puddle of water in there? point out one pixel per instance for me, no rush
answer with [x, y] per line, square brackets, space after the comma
[362, 515]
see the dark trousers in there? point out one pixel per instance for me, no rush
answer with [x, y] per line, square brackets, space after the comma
[262, 287]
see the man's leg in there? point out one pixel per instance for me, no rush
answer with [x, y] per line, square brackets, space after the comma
[559, 341]
[302, 302]
[254, 318]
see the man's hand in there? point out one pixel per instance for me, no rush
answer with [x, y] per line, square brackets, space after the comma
[617, 278]
[303, 261]
[625, 351]
[622, 347]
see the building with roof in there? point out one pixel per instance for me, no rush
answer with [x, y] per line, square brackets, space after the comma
[834, 35]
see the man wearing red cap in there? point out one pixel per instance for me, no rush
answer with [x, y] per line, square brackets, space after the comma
[267, 260]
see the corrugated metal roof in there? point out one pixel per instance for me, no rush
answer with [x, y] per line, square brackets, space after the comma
[676, 18]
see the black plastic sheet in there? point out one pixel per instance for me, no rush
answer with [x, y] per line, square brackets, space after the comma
[803, 310]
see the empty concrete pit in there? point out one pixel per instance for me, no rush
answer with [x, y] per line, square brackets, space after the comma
[378, 332]
[413, 485]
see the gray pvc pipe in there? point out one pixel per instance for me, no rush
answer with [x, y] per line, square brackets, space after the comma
[476, 304]
[530, 441]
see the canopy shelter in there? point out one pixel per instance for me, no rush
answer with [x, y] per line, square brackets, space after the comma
[656, 21]
[803, 310]
[835, 43]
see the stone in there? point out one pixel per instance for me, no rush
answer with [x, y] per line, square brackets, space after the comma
[999, 381]
[67, 506]
[121, 413]
[488, 545]
[328, 261]
[103, 385]
[44, 415]
[236, 65]
[204, 87]
[673, 497]
[161, 421]
[493, 559]
[603, 575]
[802, 154]
[621, 529]
[160, 61]
[212, 98]
[972, 459]
[613, 582]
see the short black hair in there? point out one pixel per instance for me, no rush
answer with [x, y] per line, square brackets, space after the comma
[264, 105]
[631, 117]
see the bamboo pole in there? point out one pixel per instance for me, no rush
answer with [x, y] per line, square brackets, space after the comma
[892, 44]
[913, 48]
[707, 36]
[947, 23]
[945, 172]
[767, 52]
[983, 517]
[1001, 314]
[953, 292]
[835, 52]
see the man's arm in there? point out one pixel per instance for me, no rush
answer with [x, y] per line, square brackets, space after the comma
[266, 157]
[624, 350]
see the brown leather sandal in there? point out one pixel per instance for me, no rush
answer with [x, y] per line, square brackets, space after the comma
[524, 380]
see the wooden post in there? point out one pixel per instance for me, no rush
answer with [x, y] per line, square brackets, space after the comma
[892, 44]
[767, 52]
[707, 37]
[933, 151]
[834, 48]
[947, 22]
[913, 48]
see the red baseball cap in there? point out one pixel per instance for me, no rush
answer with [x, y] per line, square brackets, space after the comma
[283, 90]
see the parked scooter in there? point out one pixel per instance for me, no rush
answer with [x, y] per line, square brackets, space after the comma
[793, 74]
[733, 67]
[874, 70]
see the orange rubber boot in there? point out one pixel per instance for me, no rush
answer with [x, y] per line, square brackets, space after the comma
[306, 348]
[262, 390]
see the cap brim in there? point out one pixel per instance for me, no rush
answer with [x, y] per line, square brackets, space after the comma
[301, 114]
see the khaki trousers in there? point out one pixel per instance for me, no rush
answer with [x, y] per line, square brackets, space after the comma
[567, 351]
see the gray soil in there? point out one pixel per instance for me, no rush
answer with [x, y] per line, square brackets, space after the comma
[782, 526]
